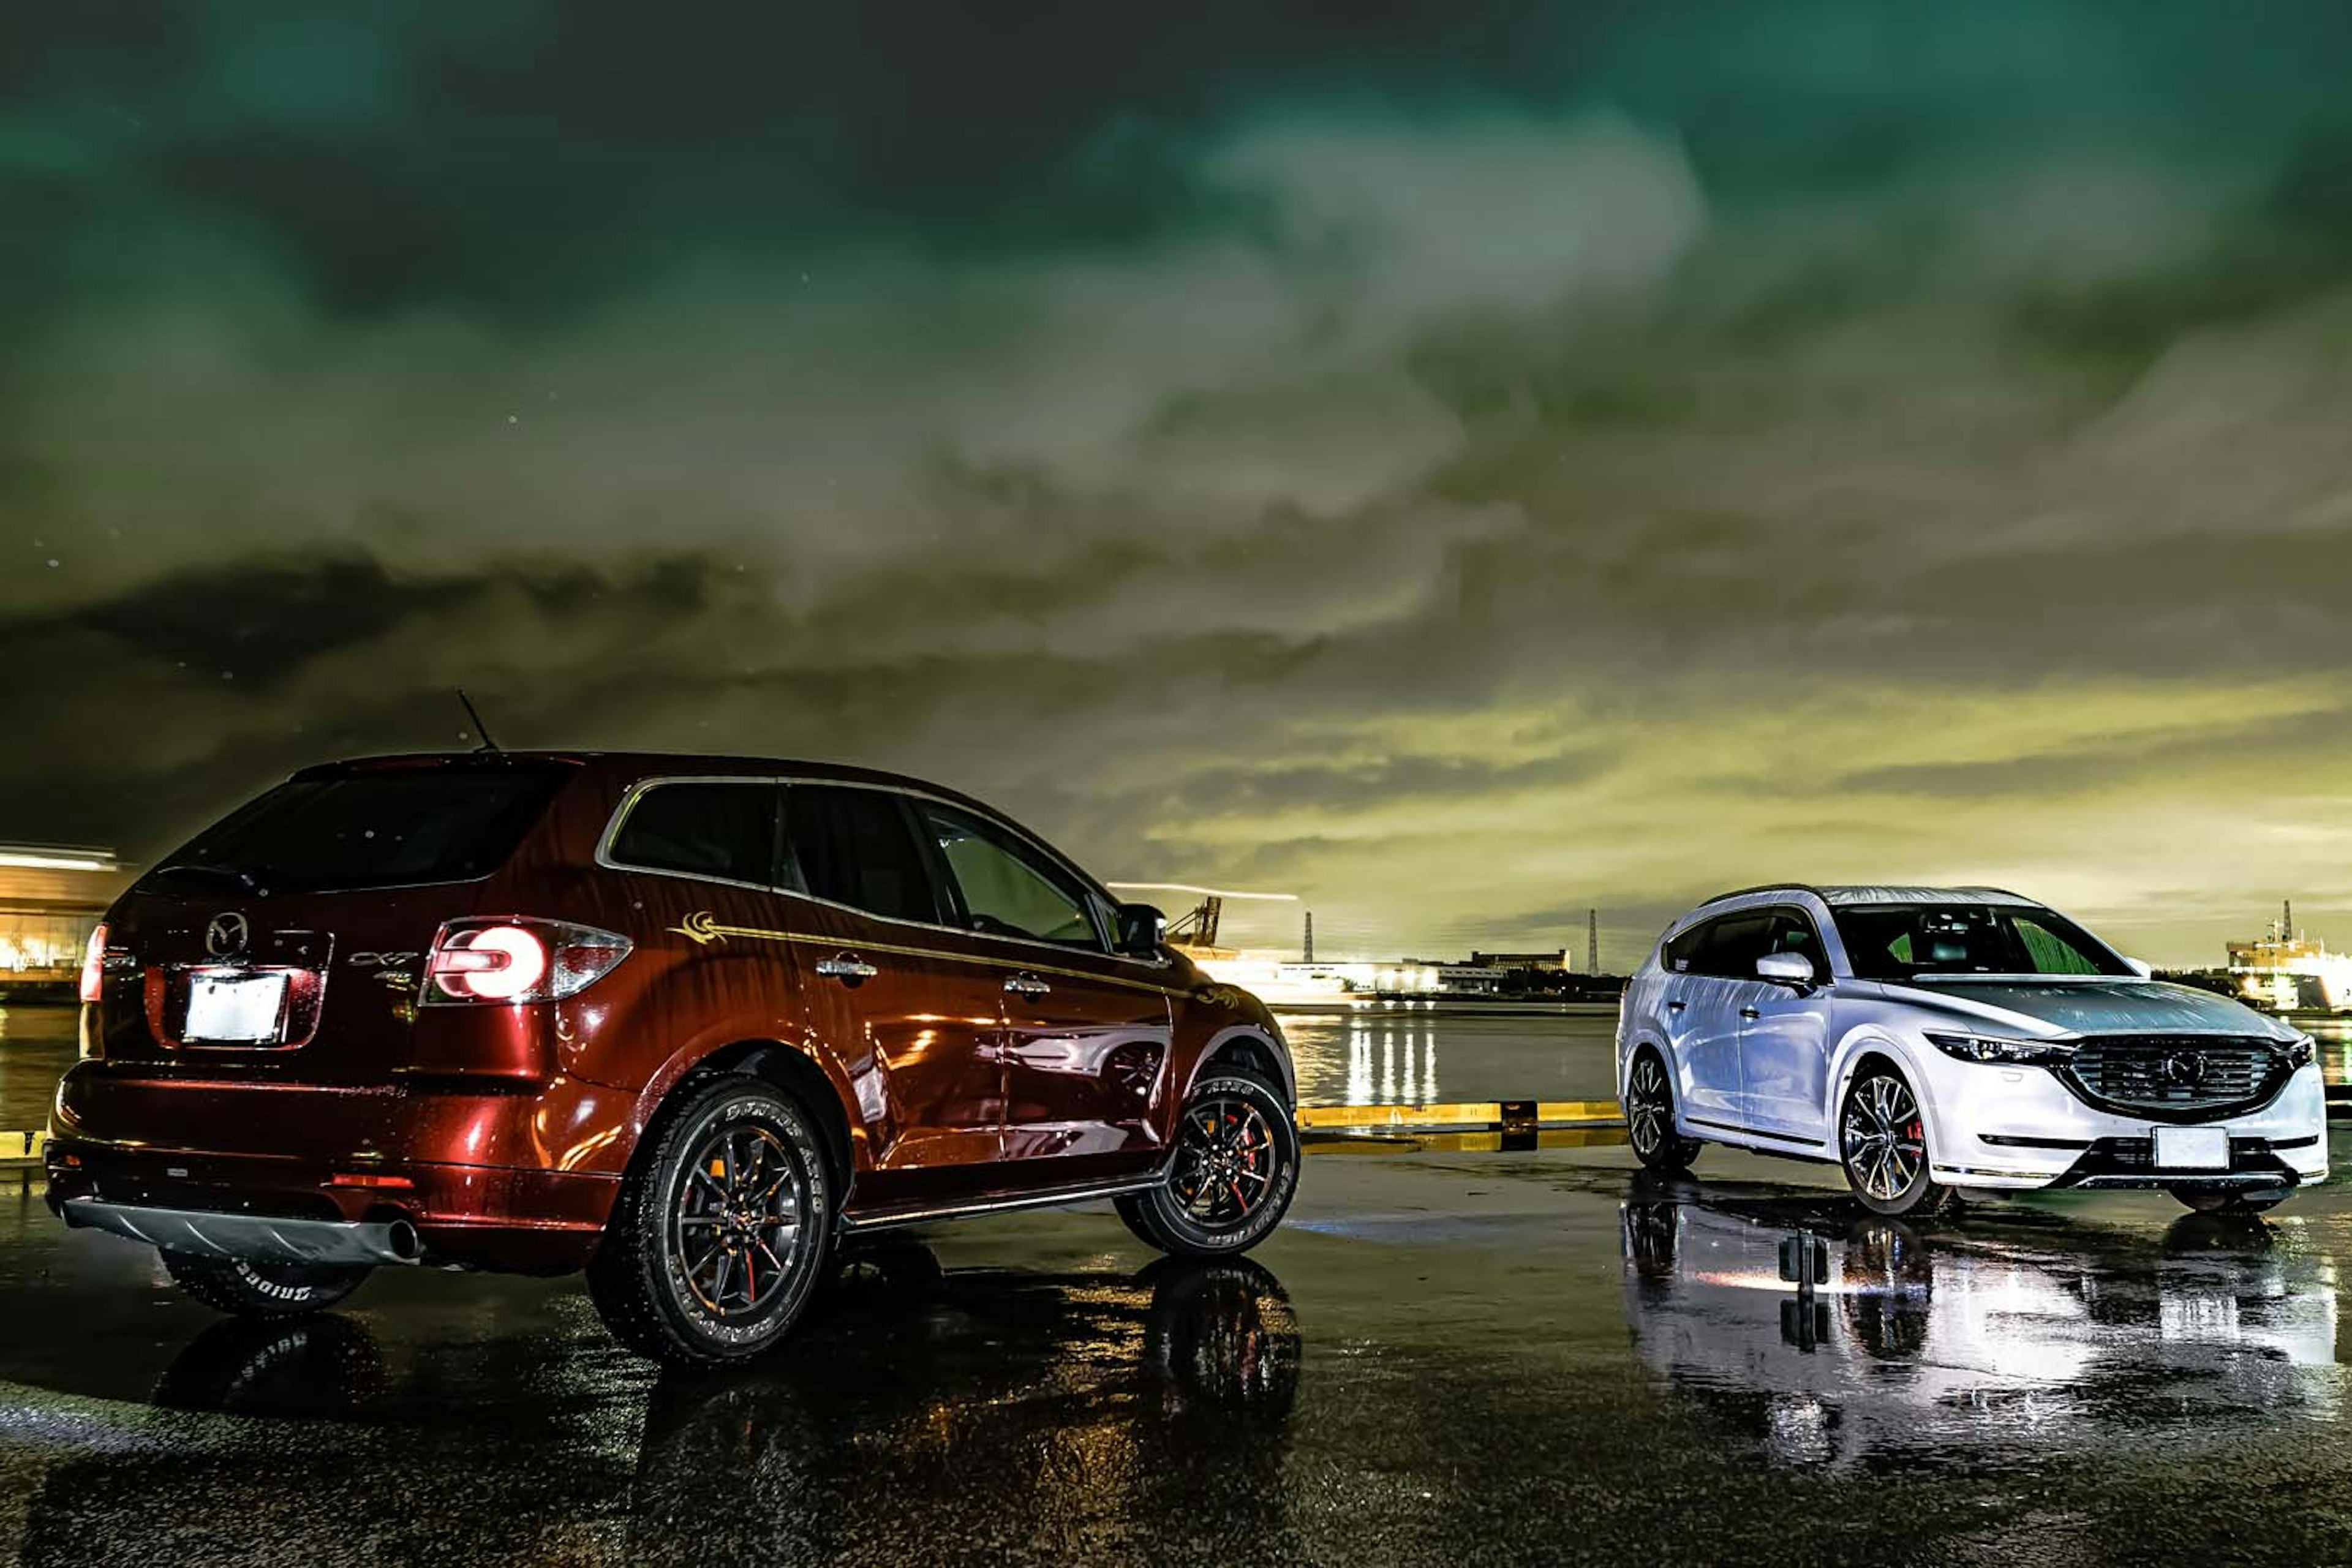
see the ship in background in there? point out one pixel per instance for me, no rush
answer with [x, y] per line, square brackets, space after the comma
[2287, 971]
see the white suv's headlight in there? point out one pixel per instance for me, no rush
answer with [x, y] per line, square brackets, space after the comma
[1997, 1048]
[2299, 1051]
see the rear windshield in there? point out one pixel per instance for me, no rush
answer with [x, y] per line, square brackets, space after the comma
[346, 831]
[1898, 942]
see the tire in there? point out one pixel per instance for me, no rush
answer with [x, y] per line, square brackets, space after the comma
[1650, 1115]
[1883, 1146]
[1234, 1174]
[2207, 1200]
[244, 1289]
[723, 1230]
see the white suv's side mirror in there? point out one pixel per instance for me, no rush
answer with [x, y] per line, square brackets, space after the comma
[1789, 968]
[2140, 967]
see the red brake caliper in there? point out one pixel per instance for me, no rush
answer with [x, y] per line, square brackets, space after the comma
[1240, 1202]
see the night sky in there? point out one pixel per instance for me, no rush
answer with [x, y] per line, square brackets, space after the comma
[1460, 467]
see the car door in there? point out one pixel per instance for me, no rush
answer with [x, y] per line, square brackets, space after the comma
[1086, 1032]
[1702, 1022]
[1784, 1040]
[911, 1005]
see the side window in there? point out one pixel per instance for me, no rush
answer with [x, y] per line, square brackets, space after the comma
[1732, 946]
[1007, 889]
[703, 830]
[1793, 932]
[857, 847]
[1681, 954]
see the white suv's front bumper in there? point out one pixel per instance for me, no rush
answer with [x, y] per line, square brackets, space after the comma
[2015, 1128]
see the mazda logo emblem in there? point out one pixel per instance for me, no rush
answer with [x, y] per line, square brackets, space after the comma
[227, 936]
[2181, 1070]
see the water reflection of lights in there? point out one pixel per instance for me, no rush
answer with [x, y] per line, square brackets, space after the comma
[1950, 1343]
[1390, 1065]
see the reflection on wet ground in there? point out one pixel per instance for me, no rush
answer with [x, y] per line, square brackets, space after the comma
[2002, 1342]
[1500, 1357]
[1102, 1394]
[1529, 1357]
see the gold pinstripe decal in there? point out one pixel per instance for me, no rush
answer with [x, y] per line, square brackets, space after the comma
[701, 927]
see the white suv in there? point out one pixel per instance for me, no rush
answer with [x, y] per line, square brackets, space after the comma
[1928, 1040]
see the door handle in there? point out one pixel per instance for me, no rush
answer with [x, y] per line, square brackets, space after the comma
[1027, 985]
[1749, 1012]
[1676, 1006]
[846, 966]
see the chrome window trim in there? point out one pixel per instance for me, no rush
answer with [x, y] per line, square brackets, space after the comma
[629, 798]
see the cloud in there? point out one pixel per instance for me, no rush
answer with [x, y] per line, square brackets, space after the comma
[1590, 464]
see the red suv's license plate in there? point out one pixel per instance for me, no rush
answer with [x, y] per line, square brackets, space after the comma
[236, 1008]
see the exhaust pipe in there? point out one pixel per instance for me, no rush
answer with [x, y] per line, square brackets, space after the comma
[257, 1239]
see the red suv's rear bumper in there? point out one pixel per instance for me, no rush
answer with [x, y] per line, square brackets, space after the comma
[518, 1181]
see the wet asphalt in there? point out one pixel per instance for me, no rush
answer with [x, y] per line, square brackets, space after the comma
[1533, 1357]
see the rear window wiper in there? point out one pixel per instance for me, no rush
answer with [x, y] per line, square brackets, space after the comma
[191, 869]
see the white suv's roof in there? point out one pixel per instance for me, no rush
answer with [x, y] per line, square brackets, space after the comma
[1858, 894]
[1839, 895]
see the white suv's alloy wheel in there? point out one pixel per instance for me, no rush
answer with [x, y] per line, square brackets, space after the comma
[1882, 1140]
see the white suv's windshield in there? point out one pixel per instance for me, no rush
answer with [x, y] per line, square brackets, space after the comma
[1898, 941]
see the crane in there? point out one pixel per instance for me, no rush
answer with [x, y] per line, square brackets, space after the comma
[1197, 929]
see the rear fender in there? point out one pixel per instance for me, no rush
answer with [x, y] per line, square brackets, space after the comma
[742, 1039]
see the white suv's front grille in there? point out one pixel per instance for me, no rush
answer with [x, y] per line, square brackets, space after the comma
[2174, 1074]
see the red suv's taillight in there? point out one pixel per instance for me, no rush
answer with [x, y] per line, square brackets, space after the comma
[519, 959]
[93, 964]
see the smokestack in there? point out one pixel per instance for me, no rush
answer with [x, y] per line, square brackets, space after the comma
[1309, 955]
[1591, 941]
[2286, 919]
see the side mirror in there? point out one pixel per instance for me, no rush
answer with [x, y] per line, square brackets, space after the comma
[2140, 967]
[1787, 968]
[1142, 929]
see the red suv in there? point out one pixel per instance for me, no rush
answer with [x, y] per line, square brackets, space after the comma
[682, 1022]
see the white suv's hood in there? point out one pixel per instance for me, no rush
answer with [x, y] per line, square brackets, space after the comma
[2092, 1006]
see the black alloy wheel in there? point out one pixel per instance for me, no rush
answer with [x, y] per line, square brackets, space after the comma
[723, 1230]
[1234, 1171]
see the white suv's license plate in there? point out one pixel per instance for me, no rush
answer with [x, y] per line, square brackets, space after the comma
[2193, 1148]
[235, 1009]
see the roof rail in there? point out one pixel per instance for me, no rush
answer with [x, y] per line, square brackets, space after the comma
[1764, 888]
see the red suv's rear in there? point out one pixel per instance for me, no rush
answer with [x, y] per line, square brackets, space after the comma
[463, 1010]
[264, 1039]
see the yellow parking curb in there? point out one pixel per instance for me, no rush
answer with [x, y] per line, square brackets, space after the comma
[1475, 1113]
[1492, 1141]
